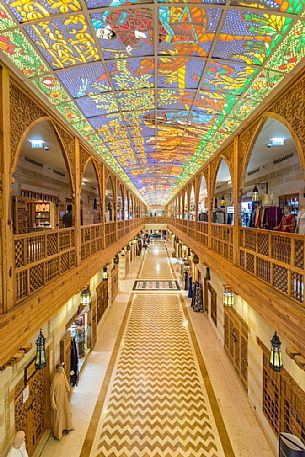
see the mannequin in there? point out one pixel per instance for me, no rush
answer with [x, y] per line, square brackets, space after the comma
[61, 412]
[18, 449]
[300, 219]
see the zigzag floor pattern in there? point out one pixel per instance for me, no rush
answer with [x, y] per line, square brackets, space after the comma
[157, 405]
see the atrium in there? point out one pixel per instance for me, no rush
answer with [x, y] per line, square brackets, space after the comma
[152, 208]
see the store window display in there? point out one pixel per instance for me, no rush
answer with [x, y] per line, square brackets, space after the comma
[271, 171]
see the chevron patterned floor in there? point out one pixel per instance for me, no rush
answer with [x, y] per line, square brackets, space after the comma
[157, 404]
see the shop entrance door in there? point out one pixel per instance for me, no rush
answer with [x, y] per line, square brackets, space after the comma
[32, 407]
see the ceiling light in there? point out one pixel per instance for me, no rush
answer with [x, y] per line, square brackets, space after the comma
[277, 141]
[37, 144]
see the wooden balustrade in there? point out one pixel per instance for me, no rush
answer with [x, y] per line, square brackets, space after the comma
[276, 258]
[41, 257]
[91, 239]
[191, 229]
[222, 240]
[202, 233]
[110, 233]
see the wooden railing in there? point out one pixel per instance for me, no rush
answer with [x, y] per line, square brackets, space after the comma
[222, 240]
[276, 258]
[110, 233]
[156, 220]
[91, 239]
[41, 257]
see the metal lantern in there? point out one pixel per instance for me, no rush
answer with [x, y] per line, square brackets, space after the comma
[207, 274]
[195, 259]
[222, 202]
[85, 296]
[105, 273]
[41, 358]
[276, 361]
[228, 297]
[255, 194]
[128, 247]
[116, 260]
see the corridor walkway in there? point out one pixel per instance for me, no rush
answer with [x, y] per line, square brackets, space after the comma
[157, 404]
[145, 390]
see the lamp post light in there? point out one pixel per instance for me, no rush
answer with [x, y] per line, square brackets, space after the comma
[276, 361]
[41, 358]
[228, 296]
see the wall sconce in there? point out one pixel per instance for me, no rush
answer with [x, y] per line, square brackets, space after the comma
[195, 259]
[105, 273]
[85, 296]
[128, 247]
[41, 358]
[276, 361]
[222, 202]
[255, 194]
[116, 260]
[228, 296]
[208, 274]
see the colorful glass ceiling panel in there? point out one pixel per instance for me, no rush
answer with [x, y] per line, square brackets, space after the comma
[154, 88]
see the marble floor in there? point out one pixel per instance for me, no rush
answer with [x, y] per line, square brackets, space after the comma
[150, 388]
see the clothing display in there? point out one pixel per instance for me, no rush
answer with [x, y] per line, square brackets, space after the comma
[203, 216]
[74, 373]
[287, 224]
[190, 292]
[266, 217]
[197, 300]
[300, 222]
[61, 411]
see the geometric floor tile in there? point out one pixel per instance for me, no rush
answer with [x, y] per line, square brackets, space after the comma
[156, 285]
[157, 404]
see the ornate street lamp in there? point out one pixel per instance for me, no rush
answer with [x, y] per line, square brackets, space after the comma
[41, 358]
[85, 296]
[255, 197]
[228, 296]
[276, 361]
[207, 274]
[105, 273]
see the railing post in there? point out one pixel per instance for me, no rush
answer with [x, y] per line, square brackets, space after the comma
[236, 191]
[78, 189]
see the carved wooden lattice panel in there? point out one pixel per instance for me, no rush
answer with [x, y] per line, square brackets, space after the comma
[283, 400]
[102, 298]
[115, 281]
[213, 304]
[236, 343]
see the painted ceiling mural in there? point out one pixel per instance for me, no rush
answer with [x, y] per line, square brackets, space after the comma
[154, 87]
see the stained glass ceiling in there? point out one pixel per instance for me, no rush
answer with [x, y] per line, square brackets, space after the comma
[154, 87]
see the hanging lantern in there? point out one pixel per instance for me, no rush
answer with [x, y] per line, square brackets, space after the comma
[85, 296]
[207, 274]
[276, 361]
[116, 260]
[255, 194]
[222, 202]
[128, 247]
[195, 259]
[105, 273]
[41, 359]
[228, 297]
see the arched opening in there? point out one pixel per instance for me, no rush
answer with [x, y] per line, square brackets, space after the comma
[185, 206]
[41, 189]
[120, 204]
[109, 201]
[90, 209]
[192, 210]
[203, 208]
[223, 209]
[273, 188]
[181, 206]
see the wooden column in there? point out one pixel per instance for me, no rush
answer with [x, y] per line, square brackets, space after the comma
[236, 196]
[7, 257]
[104, 171]
[210, 206]
[77, 199]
